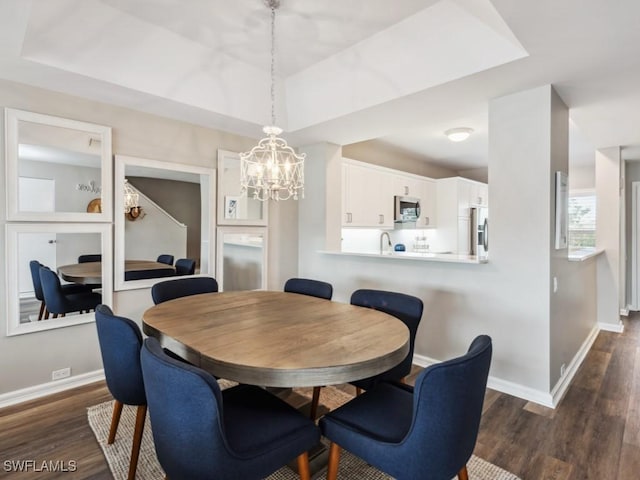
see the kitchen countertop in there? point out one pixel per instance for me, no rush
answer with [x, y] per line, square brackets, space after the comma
[584, 254]
[428, 257]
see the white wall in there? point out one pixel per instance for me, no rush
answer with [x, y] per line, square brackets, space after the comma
[608, 237]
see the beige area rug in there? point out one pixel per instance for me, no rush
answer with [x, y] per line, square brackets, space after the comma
[351, 467]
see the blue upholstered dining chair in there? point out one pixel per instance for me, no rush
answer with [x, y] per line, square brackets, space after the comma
[185, 266]
[429, 431]
[313, 288]
[182, 287]
[120, 342]
[404, 307]
[201, 432]
[68, 289]
[58, 302]
[165, 258]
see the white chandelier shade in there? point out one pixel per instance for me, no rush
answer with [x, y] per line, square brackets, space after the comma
[131, 197]
[272, 170]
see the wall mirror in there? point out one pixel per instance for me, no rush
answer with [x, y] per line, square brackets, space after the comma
[171, 227]
[234, 208]
[58, 246]
[242, 258]
[57, 169]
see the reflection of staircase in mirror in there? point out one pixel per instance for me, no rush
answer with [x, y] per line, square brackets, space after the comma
[158, 232]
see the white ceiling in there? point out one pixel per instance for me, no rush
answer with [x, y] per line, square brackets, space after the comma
[401, 71]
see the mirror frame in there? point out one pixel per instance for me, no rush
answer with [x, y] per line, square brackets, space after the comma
[220, 256]
[12, 119]
[264, 221]
[13, 231]
[121, 161]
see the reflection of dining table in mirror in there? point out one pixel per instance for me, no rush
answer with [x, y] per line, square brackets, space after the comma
[278, 339]
[91, 272]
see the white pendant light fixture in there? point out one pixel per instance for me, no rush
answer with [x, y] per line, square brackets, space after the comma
[272, 170]
[458, 134]
[131, 197]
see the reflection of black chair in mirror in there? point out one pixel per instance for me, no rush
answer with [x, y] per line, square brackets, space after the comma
[185, 266]
[168, 259]
[71, 288]
[153, 273]
[94, 257]
[58, 303]
[182, 287]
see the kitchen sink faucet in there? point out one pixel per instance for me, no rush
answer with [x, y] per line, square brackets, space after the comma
[388, 241]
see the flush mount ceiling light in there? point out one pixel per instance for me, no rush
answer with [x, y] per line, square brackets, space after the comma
[458, 134]
[272, 169]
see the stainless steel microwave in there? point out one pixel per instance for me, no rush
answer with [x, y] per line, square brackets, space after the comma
[406, 210]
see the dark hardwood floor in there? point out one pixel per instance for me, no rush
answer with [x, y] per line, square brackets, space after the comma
[593, 434]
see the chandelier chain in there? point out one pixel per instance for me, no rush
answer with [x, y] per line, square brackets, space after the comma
[273, 64]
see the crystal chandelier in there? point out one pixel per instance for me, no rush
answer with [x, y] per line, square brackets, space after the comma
[272, 169]
[131, 198]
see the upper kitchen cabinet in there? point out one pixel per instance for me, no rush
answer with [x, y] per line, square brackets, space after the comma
[367, 196]
[422, 188]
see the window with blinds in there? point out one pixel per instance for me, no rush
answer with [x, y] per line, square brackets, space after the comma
[582, 220]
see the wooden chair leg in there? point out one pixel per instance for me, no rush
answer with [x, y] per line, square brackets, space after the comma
[141, 415]
[46, 313]
[403, 380]
[334, 461]
[115, 420]
[303, 466]
[55, 315]
[315, 400]
[463, 474]
[41, 314]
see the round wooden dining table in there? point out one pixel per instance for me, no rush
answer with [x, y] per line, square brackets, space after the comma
[278, 339]
[91, 272]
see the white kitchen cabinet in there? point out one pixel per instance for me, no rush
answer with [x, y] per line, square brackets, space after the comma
[406, 185]
[428, 204]
[423, 188]
[456, 195]
[367, 196]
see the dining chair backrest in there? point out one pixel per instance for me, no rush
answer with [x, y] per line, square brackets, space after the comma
[313, 288]
[35, 266]
[120, 342]
[195, 434]
[182, 287]
[165, 258]
[402, 306]
[447, 408]
[93, 257]
[52, 291]
[185, 266]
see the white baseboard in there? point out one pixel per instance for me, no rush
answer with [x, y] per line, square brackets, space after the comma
[37, 391]
[625, 311]
[504, 386]
[561, 387]
[547, 399]
[611, 327]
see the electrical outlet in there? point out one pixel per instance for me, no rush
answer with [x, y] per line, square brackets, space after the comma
[60, 374]
[562, 369]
